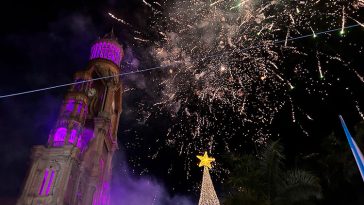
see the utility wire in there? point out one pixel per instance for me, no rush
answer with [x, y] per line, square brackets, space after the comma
[160, 67]
[79, 82]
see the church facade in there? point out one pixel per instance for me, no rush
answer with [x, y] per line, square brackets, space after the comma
[75, 166]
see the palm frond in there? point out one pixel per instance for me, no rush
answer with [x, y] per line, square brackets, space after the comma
[271, 163]
[298, 185]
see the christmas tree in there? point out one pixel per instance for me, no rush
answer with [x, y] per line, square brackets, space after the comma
[208, 195]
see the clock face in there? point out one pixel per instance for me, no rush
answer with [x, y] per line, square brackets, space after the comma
[91, 92]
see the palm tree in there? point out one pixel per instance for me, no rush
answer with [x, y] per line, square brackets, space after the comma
[261, 180]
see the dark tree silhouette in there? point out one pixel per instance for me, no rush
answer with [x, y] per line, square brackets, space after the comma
[262, 180]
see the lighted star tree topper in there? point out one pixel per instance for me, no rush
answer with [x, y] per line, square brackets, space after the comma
[208, 194]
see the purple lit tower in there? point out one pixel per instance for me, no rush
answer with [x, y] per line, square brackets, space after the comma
[75, 166]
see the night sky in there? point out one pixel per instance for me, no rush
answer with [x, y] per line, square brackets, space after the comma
[44, 43]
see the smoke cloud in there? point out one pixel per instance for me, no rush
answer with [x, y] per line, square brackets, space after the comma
[128, 189]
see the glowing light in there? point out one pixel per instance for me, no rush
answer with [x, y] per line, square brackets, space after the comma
[216, 2]
[208, 193]
[140, 39]
[358, 22]
[354, 148]
[107, 50]
[359, 76]
[105, 197]
[205, 160]
[222, 68]
[45, 177]
[287, 36]
[319, 66]
[118, 19]
[60, 135]
[290, 86]
[358, 109]
[313, 33]
[342, 32]
[361, 3]
[239, 4]
[69, 107]
[50, 182]
[79, 143]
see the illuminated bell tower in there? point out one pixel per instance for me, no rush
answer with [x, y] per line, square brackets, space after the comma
[75, 167]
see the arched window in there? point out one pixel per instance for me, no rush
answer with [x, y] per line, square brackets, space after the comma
[59, 136]
[47, 182]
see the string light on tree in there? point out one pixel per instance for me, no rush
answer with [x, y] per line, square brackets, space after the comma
[208, 194]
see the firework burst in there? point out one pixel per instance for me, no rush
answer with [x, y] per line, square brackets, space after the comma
[234, 65]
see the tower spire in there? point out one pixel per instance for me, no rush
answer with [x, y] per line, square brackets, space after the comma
[76, 165]
[110, 35]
